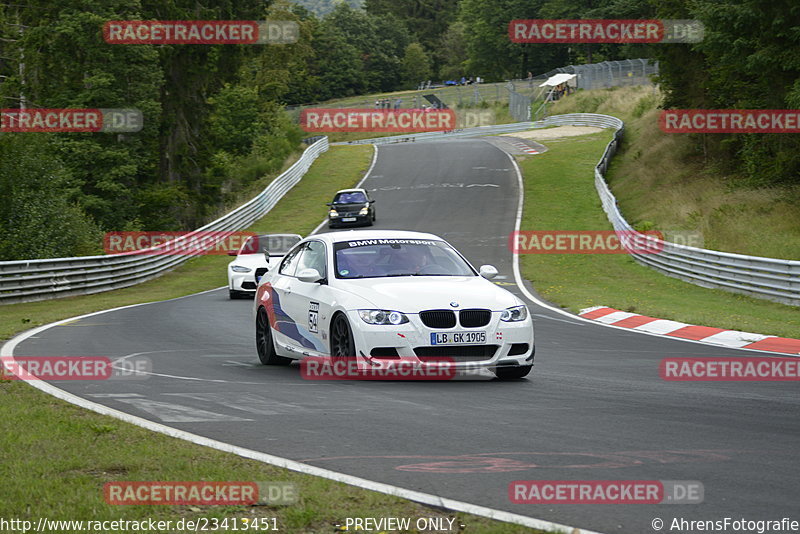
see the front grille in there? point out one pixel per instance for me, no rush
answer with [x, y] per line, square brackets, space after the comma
[464, 353]
[474, 318]
[438, 318]
[248, 285]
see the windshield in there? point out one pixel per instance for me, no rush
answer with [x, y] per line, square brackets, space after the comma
[377, 258]
[350, 198]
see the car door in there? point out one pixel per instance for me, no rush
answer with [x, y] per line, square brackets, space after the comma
[281, 316]
[313, 300]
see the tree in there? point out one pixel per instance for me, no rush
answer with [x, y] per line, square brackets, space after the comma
[428, 20]
[452, 52]
[747, 60]
[416, 65]
[39, 213]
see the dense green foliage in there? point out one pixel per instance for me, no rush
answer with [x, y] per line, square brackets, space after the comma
[214, 123]
[748, 60]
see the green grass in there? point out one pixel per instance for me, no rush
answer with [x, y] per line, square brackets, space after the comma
[56, 457]
[560, 195]
[663, 181]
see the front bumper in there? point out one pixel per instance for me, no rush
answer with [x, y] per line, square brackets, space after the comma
[339, 221]
[507, 343]
[245, 282]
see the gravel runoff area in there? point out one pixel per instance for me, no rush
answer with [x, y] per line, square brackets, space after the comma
[555, 133]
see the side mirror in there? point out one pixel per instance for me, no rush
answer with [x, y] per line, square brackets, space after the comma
[233, 253]
[372, 202]
[488, 271]
[309, 275]
[329, 203]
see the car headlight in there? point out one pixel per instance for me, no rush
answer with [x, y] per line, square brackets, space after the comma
[364, 211]
[333, 213]
[240, 269]
[514, 314]
[382, 317]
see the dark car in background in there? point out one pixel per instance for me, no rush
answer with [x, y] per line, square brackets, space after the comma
[351, 207]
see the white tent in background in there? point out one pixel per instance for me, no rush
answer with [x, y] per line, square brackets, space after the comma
[557, 79]
[550, 86]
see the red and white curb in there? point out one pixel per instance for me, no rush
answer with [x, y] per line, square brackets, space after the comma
[524, 147]
[705, 334]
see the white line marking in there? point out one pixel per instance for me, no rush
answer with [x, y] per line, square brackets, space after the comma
[543, 316]
[177, 413]
[614, 317]
[7, 350]
[660, 326]
[530, 296]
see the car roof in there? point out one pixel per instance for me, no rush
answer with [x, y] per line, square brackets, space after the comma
[351, 191]
[278, 235]
[350, 235]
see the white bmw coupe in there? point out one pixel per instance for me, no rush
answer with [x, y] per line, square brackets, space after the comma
[384, 296]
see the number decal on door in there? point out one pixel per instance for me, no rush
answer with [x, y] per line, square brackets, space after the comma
[313, 319]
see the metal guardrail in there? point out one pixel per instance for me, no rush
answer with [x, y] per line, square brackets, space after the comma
[767, 278]
[32, 280]
[441, 136]
[571, 119]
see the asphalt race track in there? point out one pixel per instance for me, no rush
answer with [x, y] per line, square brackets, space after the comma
[594, 406]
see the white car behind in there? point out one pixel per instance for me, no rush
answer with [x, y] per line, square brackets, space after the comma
[254, 258]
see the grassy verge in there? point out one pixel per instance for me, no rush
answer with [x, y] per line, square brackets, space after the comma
[560, 195]
[662, 181]
[56, 457]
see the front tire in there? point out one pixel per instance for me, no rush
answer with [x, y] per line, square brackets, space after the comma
[342, 343]
[264, 345]
[510, 373]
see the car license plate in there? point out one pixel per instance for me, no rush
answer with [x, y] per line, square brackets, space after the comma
[458, 338]
[348, 219]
